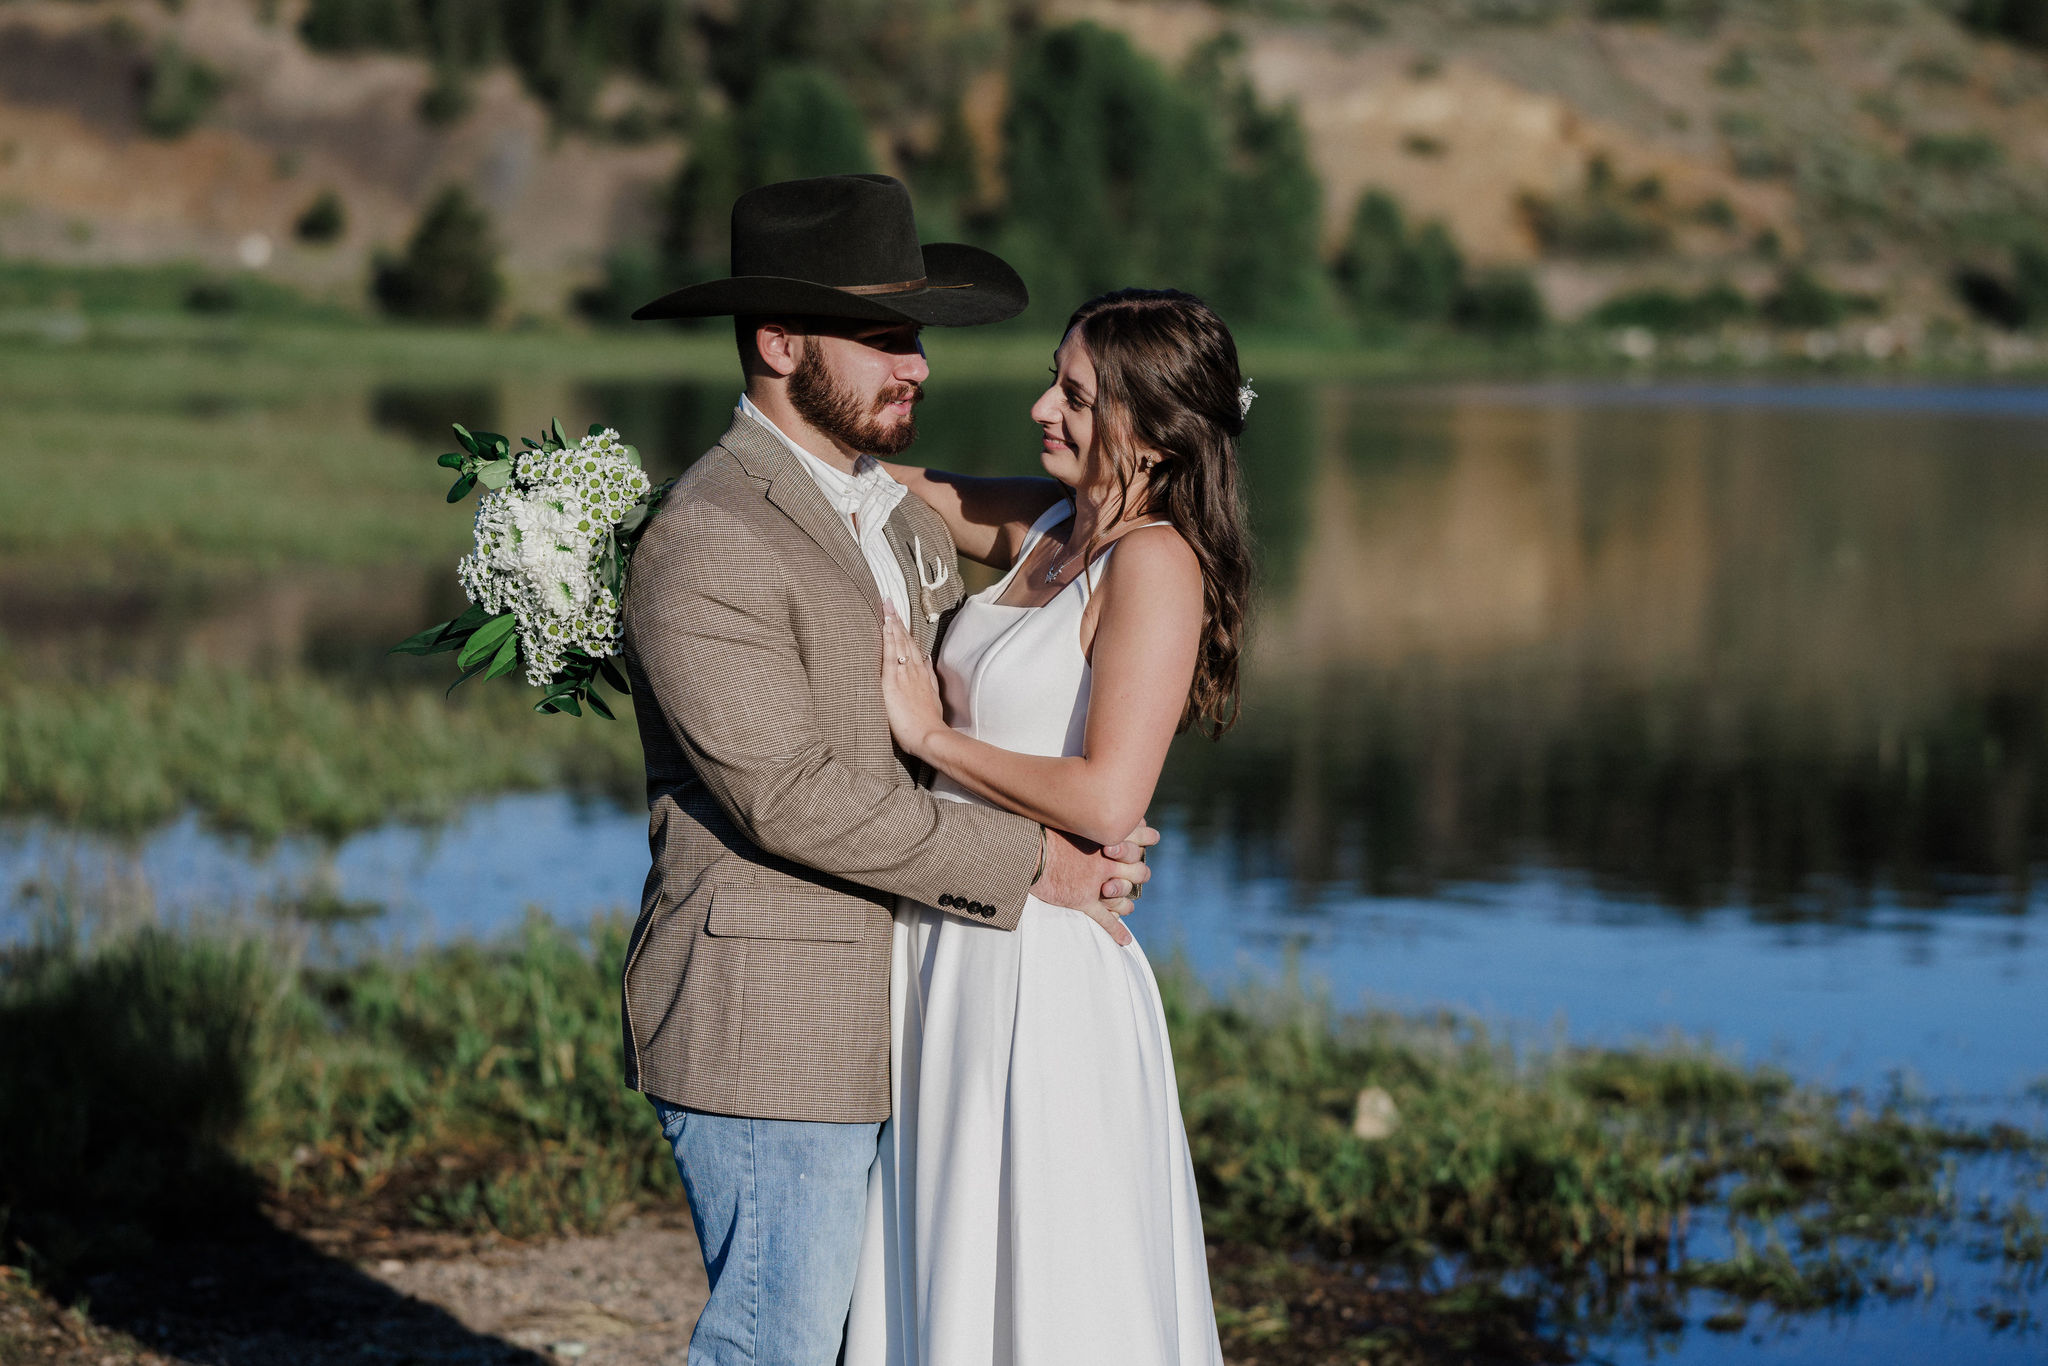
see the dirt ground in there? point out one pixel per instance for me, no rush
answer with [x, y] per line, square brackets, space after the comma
[269, 1295]
[271, 1298]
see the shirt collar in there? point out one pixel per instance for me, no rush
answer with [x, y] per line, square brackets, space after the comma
[846, 491]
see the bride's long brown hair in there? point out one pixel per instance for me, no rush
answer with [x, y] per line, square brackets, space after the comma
[1166, 378]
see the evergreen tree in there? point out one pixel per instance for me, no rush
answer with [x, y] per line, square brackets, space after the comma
[1268, 265]
[1432, 275]
[801, 122]
[1115, 170]
[449, 272]
[1390, 274]
[1372, 255]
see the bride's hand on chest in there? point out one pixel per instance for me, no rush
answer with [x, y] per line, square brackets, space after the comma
[910, 688]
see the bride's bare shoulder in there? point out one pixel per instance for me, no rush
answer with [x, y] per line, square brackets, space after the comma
[1154, 561]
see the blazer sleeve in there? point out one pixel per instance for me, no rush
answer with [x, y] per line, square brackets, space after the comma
[713, 635]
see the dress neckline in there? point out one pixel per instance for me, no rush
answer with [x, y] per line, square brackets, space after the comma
[1040, 529]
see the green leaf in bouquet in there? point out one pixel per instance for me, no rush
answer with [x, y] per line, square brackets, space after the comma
[531, 444]
[633, 454]
[615, 676]
[488, 637]
[446, 636]
[425, 643]
[461, 487]
[495, 475]
[467, 674]
[567, 703]
[597, 704]
[596, 429]
[469, 443]
[450, 461]
[557, 429]
[635, 516]
[506, 660]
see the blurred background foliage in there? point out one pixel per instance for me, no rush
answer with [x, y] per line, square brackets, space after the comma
[1114, 168]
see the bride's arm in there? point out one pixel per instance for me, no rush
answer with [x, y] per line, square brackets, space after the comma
[988, 515]
[1143, 659]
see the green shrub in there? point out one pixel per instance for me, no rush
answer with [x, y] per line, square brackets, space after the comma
[449, 272]
[1603, 219]
[446, 100]
[1502, 302]
[324, 221]
[177, 92]
[1667, 310]
[212, 296]
[2013, 299]
[2023, 21]
[1390, 273]
[1959, 152]
[632, 276]
[1737, 70]
[1643, 11]
[1801, 300]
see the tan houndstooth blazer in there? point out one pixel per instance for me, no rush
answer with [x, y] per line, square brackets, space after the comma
[782, 819]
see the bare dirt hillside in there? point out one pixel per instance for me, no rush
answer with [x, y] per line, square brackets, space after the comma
[80, 179]
[1886, 149]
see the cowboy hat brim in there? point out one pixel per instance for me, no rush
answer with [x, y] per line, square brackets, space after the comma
[964, 286]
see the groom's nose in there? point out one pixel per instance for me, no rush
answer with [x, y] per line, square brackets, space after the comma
[911, 368]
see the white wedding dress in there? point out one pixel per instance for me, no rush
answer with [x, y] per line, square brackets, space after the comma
[1034, 1203]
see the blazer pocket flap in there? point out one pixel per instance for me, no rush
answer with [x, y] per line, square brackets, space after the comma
[756, 912]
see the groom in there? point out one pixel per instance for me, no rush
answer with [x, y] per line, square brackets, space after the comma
[783, 821]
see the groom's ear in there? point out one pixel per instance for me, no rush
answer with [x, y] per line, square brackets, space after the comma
[770, 348]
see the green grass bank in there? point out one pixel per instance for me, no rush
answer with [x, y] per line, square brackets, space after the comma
[476, 1088]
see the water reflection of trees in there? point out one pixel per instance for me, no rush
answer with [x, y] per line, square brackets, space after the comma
[1761, 657]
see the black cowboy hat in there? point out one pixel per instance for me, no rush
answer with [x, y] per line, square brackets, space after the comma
[845, 246]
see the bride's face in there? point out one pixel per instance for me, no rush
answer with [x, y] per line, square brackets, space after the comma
[1065, 414]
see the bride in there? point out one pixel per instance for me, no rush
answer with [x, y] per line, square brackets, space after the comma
[1034, 1203]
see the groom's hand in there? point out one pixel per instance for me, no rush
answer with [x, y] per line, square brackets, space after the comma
[1100, 883]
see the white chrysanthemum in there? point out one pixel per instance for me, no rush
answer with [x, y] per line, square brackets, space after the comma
[538, 542]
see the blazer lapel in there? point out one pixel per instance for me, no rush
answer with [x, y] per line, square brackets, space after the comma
[793, 490]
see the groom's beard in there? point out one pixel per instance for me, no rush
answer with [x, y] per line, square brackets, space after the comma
[840, 414]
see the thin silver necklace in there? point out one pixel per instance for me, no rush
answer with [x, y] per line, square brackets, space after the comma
[1052, 572]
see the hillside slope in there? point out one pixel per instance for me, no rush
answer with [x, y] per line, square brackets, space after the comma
[1887, 150]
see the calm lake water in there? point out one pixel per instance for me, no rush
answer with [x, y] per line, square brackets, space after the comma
[1599, 712]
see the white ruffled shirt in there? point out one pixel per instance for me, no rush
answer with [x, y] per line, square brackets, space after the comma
[864, 500]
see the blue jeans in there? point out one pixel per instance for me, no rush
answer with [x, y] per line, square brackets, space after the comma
[779, 1207]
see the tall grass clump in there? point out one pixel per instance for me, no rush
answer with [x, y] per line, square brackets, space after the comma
[155, 1085]
[284, 755]
[470, 1087]
[1584, 1167]
[129, 1073]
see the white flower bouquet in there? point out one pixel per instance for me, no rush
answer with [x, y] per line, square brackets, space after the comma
[555, 530]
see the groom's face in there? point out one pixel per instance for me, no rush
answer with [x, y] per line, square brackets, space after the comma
[860, 384]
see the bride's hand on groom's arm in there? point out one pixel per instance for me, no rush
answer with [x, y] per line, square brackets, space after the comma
[910, 688]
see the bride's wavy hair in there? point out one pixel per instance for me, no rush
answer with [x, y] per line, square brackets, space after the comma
[1166, 378]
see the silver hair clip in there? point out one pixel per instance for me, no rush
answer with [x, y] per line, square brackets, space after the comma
[941, 572]
[1245, 395]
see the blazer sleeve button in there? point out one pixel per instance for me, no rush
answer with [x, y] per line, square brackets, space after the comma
[945, 898]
